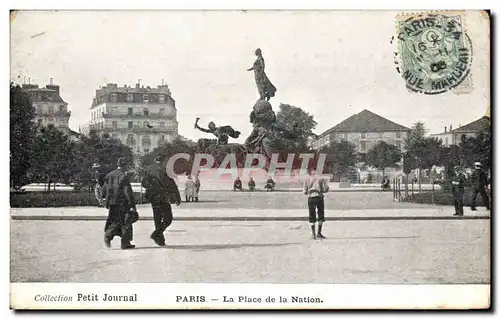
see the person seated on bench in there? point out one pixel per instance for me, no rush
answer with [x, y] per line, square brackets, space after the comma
[386, 183]
[237, 184]
[270, 184]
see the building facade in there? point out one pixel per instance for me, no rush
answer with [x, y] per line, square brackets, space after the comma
[140, 117]
[50, 108]
[454, 137]
[364, 130]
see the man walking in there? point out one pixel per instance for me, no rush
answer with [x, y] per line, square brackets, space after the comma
[458, 182]
[119, 198]
[314, 188]
[479, 184]
[161, 190]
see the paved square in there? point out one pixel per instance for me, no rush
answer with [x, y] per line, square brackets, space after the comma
[390, 252]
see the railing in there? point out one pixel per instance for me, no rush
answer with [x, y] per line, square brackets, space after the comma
[404, 191]
[150, 115]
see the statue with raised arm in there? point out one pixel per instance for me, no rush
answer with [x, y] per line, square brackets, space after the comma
[266, 89]
[222, 132]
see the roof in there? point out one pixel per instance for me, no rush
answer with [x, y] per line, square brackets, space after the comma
[366, 121]
[473, 127]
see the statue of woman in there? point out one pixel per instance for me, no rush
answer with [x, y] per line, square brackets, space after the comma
[221, 132]
[265, 87]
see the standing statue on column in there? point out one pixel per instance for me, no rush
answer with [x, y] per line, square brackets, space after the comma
[265, 87]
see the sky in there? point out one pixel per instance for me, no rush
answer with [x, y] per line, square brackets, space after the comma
[332, 64]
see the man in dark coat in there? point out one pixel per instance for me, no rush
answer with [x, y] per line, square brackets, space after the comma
[161, 190]
[119, 198]
[479, 184]
[458, 182]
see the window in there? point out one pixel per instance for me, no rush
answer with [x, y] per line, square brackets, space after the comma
[114, 124]
[446, 141]
[130, 124]
[381, 135]
[146, 111]
[162, 112]
[161, 98]
[130, 97]
[398, 134]
[162, 124]
[162, 138]
[398, 145]
[130, 111]
[51, 109]
[362, 146]
[40, 122]
[114, 110]
[61, 108]
[39, 109]
[146, 150]
[145, 98]
[363, 135]
[114, 98]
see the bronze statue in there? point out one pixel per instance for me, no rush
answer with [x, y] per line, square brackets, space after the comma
[222, 132]
[260, 140]
[265, 87]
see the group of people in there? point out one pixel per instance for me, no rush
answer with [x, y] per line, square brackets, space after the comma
[479, 182]
[118, 197]
[192, 189]
[238, 185]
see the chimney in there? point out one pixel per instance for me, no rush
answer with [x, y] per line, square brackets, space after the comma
[451, 128]
[51, 81]
[445, 129]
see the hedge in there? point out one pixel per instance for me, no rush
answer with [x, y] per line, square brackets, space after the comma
[57, 199]
[445, 198]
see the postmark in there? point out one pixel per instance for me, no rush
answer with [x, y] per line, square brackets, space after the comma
[434, 51]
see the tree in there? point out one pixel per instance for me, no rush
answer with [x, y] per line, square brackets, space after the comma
[169, 149]
[383, 155]
[97, 150]
[422, 152]
[22, 132]
[340, 156]
[293, 127]
[476, 149]
[53, 156]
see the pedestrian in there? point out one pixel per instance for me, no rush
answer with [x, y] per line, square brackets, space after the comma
[197, 184]
[189, 189]
[458, 182]
[479, 185]
[314, 188]
[161, 191]
[119, 198]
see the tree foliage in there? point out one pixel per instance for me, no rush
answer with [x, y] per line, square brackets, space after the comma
[293, 127]
[22, 132]
[340, 156]
[383, 155]
[53, 156]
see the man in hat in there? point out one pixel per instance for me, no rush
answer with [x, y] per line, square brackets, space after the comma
[458, 182]
[119, 198]
[161, 190]
[479, 184]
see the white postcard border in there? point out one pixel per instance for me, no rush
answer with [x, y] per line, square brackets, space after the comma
[246, 296]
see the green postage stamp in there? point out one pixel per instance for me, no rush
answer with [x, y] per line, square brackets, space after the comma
[434, 50]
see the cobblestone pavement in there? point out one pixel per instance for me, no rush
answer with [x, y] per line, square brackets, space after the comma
[431, 251]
